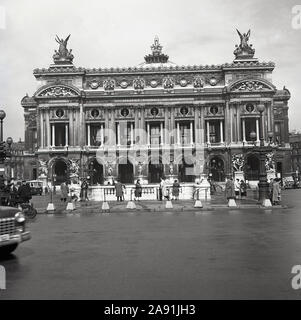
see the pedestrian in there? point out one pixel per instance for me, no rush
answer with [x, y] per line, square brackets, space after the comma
[276, 192]
[64, 191]
[175, 190]
[230, 189]
[13, 201]
[161, 189]
[118, 190]
[271, 189]
[165, 191]
[243, 188]
[138, 190]
[237, 188]
[123, 192]
[24, 192]
[84, 190]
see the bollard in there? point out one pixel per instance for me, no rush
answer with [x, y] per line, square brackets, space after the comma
[105, 206]
[168, 204]
[232, 203]
[131, 205]
[50, 206]
[267, 203]
[70, 206]
[198, 204]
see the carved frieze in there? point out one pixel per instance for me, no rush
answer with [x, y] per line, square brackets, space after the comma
[109, 84]
[138, 83]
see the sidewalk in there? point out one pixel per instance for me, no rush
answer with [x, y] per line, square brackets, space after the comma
[217, 202]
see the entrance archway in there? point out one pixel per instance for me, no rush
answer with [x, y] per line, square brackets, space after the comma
[217, 171]
[60, 171]
[96, 172]
[252, 167]
[126, 172]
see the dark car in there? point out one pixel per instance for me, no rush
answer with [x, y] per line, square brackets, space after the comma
[12, 229]
[36, 187]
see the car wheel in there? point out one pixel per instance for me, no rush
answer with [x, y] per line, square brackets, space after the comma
[6, 250]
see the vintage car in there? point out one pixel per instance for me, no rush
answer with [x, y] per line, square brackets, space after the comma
[12, 229]
[288, 182]
[36, 187]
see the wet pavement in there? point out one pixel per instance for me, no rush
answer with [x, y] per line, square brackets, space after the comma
[217, 254]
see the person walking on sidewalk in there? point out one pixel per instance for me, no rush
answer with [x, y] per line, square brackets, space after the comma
[230, 189]
[243, 189]
[118, 190]
[64, 191]
[237, 188]
[161, 189]
[276, 191]
[175, 190]
[84, 190]
[138, 190]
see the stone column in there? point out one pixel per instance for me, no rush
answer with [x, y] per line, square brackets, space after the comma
[196, 125]
[191, 132]
[142, 126]
[257, 130]
[89, 134]
[137, 112]
[208, 131]
[221, 131]
[53, 134]
[161, 133]
[118, 133]
[202, 126]
[101, 133]
[71, 126]
[106, 128]
[172, 124]
[238, 136]
[148, 133]
[82, 128]
[48, 128]
[231, 116]
[178, 133]
[244, 130]
[132, 133]
[66, 135]
[166, 126]
[42, 128]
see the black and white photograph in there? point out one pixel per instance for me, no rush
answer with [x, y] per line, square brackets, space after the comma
[150, 151]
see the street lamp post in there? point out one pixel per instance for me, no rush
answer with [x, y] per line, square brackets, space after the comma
[2, 116]
[262, 150]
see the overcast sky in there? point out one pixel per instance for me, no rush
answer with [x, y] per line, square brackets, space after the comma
[119, 33]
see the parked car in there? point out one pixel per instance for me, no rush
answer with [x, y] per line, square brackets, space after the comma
[288, 182]
[36, 187]
[12, 229]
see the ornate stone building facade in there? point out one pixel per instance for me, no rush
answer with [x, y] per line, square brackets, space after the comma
[155, 120]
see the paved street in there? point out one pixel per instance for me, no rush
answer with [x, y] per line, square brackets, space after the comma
[216, 254]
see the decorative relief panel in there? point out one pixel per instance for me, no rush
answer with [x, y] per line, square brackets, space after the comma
[58, 113]
[168, 82]
[138, 83]
[250, 85]
[214, 110]
[109, 84]
[58, 91]
[155, 112]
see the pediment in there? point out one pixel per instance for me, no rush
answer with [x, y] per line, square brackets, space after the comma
[251, 85]
[57, 91]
